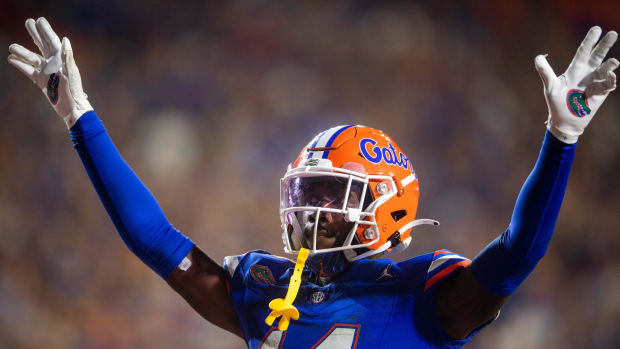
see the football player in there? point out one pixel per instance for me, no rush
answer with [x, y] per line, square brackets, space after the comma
[349, 197]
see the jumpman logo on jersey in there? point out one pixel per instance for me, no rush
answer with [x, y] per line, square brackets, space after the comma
[385, 272]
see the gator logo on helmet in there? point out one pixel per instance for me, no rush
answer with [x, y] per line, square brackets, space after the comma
[577, 103]
[375, 154]
[312, 162]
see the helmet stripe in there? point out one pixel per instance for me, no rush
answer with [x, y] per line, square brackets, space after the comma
[412, 177]
[333, 137]
[325, 139]
[316, 141]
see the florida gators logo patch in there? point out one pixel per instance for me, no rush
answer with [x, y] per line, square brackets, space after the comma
[262, 274]
[577, 103]
[52, 89]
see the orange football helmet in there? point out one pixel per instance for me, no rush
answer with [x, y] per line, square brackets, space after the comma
[373, 185]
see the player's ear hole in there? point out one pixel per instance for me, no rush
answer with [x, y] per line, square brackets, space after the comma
[397, 215]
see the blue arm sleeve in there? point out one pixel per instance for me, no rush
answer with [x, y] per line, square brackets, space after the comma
[503, 265]
[133, 210]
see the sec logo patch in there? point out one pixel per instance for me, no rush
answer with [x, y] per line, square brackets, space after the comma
[317, 297]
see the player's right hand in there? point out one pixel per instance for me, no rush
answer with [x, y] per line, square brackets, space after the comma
[54, 71]
[574, 97]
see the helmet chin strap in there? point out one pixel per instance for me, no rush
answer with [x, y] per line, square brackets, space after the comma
[399, 247]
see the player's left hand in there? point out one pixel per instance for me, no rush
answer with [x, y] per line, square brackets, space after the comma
[54, 72]
[574, 97]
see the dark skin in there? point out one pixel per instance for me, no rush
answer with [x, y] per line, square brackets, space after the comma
[462, 304]
[203, 286]
[332, 228]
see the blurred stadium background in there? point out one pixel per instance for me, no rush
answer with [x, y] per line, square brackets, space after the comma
[209, 101]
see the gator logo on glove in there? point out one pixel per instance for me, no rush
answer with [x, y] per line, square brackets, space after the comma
[52, 89]
[577, 103]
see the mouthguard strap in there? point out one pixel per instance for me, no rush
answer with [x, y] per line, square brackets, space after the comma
[284, 307]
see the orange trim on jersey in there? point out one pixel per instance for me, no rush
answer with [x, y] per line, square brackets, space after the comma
[430, 282]
[357, 334]
[275, 327]
[437, 253]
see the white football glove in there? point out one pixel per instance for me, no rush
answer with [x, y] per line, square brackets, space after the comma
[55, 72]
[574, 97]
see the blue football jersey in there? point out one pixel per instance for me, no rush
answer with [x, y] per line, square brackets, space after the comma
[374, 304]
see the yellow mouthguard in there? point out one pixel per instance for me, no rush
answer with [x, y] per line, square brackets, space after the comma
[285, 306]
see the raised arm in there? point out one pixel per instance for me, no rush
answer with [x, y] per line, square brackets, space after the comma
[134, 211]
[474, 296]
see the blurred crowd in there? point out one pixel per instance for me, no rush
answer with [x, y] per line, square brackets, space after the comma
[209, 102]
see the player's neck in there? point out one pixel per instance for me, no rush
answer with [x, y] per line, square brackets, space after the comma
[326, 267]
[315, 278]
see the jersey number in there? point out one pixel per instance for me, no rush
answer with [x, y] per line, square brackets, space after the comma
[340, 336]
